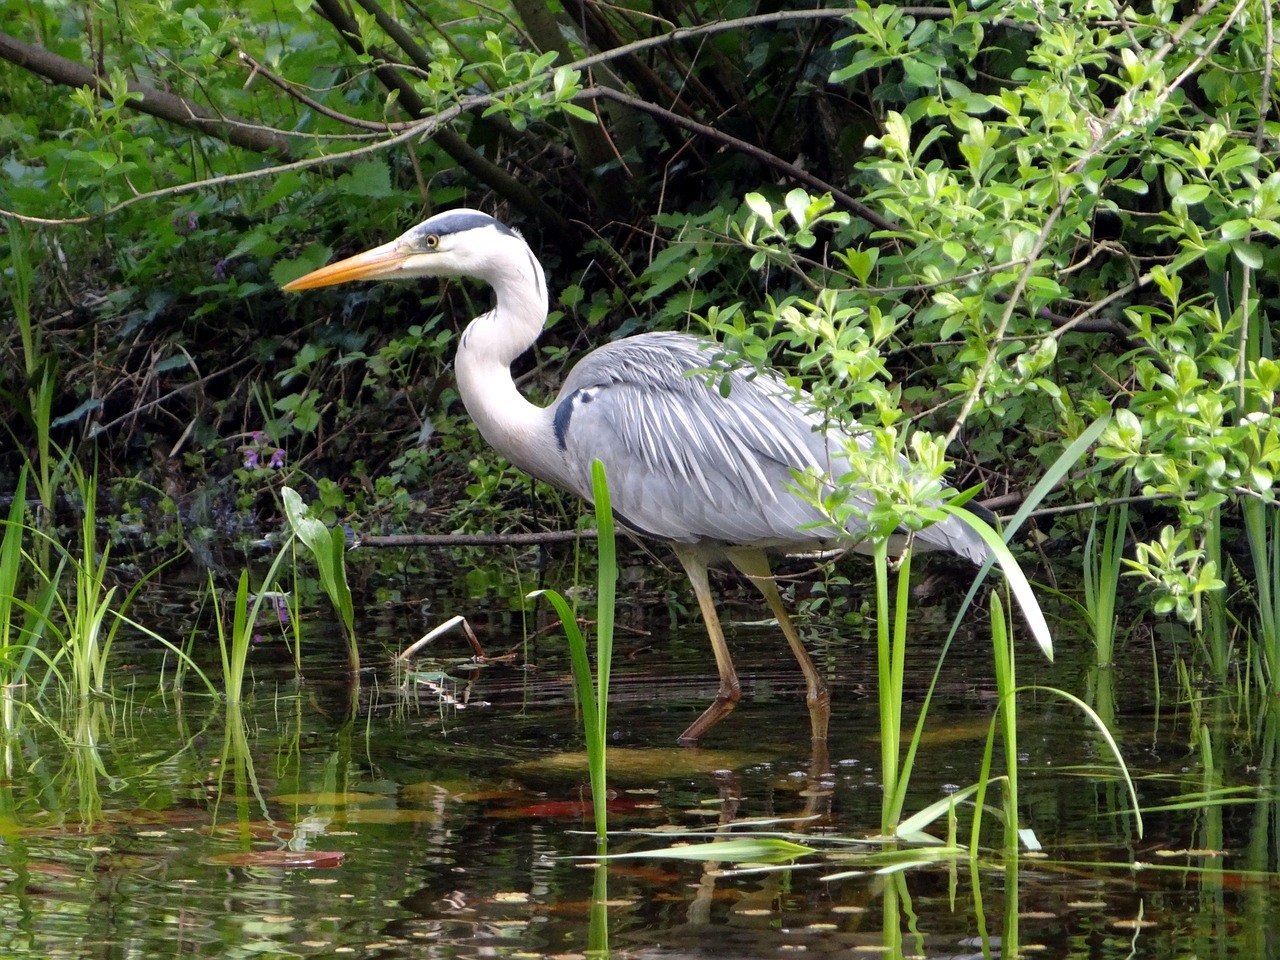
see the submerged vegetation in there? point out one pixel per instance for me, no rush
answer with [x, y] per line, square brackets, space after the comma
[1030, 250]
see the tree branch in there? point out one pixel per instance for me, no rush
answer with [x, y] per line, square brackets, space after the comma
[157, 103]
[475, 539]
[750, 149]
[483, 169]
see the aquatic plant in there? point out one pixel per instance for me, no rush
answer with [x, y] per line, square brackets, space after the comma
[1262, 530]
[236, 640]
[22, 622]
[593, 699]
[1102, 568]
[328, 545]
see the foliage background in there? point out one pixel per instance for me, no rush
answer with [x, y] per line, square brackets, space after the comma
[1038, 214]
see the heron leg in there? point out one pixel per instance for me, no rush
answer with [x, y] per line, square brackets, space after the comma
[755, 566]
[695, 566]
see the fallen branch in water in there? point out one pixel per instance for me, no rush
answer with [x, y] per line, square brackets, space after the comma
[474, 539]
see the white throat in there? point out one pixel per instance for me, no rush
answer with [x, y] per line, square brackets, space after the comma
[516, 428]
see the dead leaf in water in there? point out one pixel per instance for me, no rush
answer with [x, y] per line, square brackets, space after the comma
[279, 859]
[558, 808]
[660, 763]
[377, 815]
[328, 798]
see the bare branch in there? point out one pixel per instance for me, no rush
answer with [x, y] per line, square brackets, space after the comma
[475, 539]
[750, 149]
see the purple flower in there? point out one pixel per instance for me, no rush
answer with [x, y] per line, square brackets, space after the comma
[220, 269]
[251, 459]
[277, 459]
[192, 222]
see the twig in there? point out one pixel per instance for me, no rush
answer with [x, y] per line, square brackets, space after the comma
[158, 103]
[742, 146]
[313, 104]
[474, 539]
[1268, 65]
[448, 625]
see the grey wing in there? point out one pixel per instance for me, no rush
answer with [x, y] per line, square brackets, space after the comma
[684, 461]
[689, 463]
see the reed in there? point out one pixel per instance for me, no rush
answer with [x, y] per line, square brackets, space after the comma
[593, 697]
[1262, 530]
[1102, 567]
[236, 639]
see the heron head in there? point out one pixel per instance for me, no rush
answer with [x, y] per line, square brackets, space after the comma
[456, 243]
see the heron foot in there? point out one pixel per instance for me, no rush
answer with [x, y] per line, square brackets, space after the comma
[819, 702]
[720, 708]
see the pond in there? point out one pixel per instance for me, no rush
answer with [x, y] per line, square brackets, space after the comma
[446, 814]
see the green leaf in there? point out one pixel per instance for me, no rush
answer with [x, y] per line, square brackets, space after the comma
[1192, 193]
[1250, 254]
[312, 258]
[370, 178]
[1019, 586]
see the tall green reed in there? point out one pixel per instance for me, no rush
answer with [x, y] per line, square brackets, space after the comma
[1102, 567]
[1262, 530]
[1020, 588]
[593, 700]
[22, 621]
[1214, 635]
[235, 640]
[79, 624]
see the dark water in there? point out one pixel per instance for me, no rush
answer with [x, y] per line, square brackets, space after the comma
[443, 819]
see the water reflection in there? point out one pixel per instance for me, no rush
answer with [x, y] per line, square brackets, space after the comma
[443, 820]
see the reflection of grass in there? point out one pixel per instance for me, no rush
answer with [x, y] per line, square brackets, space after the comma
[594, 700]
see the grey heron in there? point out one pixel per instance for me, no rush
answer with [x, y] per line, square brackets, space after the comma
[711, 471]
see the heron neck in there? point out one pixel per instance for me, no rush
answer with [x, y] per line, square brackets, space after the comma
[516, 428]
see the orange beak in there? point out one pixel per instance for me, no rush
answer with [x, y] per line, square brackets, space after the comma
[376, 264]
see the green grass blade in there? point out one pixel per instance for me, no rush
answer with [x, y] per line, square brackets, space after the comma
[11, 558]
[606, 592]
[328, 548]
[1019, 586]
[1106, 736]
[586, 695]
[912, 828]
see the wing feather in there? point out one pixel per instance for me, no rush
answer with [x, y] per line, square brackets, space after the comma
[684, 461]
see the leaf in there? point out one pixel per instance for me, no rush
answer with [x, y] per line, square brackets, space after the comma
[1018, 583]
[312, 258]
[1250, 254]
[939, 808]
[747, 849]
[371, 178]
[1098, 722]
[1192, 193]
[759, 206]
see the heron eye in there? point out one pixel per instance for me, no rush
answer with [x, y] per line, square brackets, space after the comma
[432, 241]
